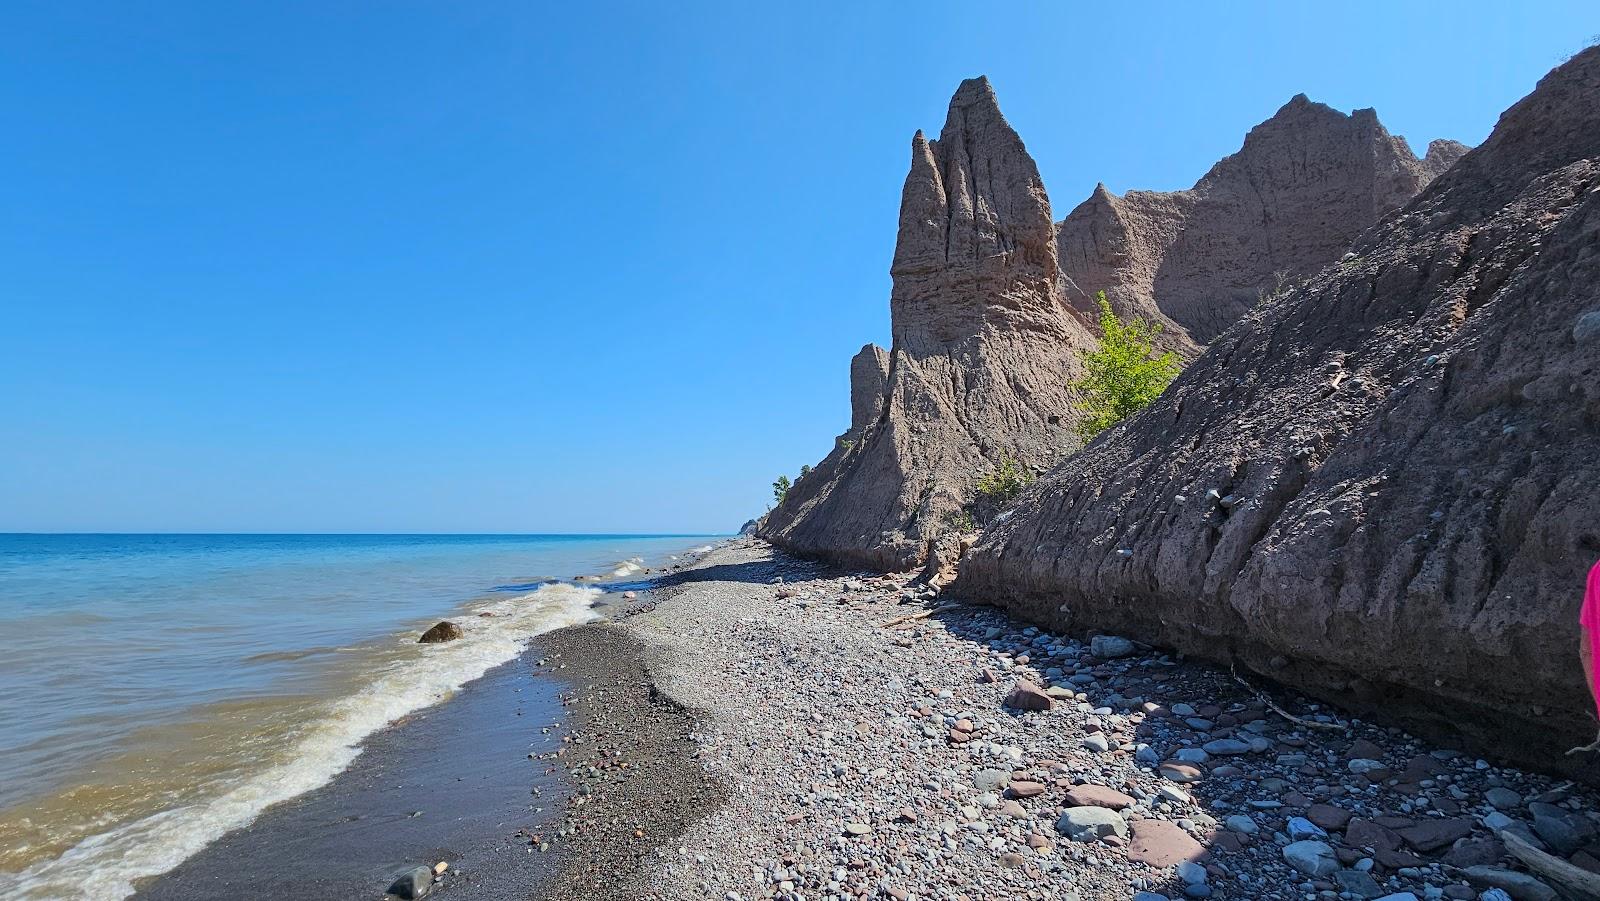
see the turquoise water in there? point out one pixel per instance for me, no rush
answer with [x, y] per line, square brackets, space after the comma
[161, 689]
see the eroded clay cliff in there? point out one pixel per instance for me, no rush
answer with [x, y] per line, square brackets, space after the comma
[982, 353]
[1381, 487]
[1305, 184]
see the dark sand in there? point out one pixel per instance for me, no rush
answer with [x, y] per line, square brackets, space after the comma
[463, 764]
[645, 787]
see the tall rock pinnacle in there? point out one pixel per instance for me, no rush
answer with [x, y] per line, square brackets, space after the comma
[982, 354]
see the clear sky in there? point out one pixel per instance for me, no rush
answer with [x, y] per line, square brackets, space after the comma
[507, 266]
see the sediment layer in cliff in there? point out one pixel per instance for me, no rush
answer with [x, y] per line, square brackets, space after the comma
[983, 349]
[1306, 183]
[1380, 488]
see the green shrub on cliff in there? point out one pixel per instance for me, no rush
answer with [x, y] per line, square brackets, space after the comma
[1123, 374]
[999, 488]
[780, 488]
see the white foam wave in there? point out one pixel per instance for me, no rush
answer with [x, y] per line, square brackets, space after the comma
[628, 567]
[103, 867]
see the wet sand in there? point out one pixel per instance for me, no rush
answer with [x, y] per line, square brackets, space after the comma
[617, 779]
[451, 783]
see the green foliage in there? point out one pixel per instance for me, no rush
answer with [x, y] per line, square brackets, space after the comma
[780, 488]
[804, 470]
[960, 521]
[1124, 374]
[999, 488]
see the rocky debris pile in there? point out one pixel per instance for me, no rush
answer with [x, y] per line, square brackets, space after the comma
[1380, 488]
[977, 376]
[1305, 184]
[867, 750]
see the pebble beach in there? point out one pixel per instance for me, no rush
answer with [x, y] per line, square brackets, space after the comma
[787, 730]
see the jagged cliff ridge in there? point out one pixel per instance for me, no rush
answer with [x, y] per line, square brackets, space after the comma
[1381, 488]
[982, 353]
[1305, 184]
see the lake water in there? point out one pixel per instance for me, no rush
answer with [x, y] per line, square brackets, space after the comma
[161, 690]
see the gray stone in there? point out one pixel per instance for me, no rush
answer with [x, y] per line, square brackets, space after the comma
[1225, 747]
[1358, 883]
[1191, 755]
[414, 884]
[1502, 798]
[1191, 873]
[1588, 328]
[991, 780]
[1302, 828]
[443, 631]
[1108, 647]
[1313, 858]
[1520, 886]
[1097, 742]
[1241, 824]
[1562, 830]
[1087, 824]
[1399, 896]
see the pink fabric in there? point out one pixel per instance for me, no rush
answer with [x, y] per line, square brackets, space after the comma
[1590, 620]
[1590, 617]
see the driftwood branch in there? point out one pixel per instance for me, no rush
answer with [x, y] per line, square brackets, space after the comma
[1591, 746]
[1570, 879]
[916, 616]
[1298, 721]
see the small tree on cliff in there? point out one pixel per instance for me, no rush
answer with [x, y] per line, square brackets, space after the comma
[780, 488]
[1123, 374]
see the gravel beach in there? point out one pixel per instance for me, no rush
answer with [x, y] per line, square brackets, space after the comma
[779, 729]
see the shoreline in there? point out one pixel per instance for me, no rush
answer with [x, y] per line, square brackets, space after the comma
[493, 747]
[750, 725]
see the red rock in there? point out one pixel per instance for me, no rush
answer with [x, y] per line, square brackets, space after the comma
[1159, 843]
[1422, 766]
[1361, 749]
[1478, 852]
[1097, 796]
[1328, 816]
[1230, 842]
[1178, 771]
[963, 725]
[1384, 842]
[1431, 835]
[958, 737]
[1025, 695]
[1025, 788]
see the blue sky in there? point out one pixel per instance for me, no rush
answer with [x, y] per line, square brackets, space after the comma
[490, 266]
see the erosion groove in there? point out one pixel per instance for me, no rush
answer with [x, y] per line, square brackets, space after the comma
[1429, 552]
